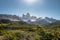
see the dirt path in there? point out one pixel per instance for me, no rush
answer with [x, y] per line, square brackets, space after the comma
[1, 37]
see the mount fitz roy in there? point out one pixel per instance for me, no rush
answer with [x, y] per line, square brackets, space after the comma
[34, 20]
[29, 19]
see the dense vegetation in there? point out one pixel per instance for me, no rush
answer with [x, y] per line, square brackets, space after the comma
[23, 31]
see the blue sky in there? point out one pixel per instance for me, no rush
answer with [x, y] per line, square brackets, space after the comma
[45, 8]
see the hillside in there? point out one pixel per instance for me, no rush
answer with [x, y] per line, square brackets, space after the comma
[23, 31]
[53, 25]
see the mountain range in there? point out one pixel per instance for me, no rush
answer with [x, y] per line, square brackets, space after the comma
[29, 19]
[10, 17]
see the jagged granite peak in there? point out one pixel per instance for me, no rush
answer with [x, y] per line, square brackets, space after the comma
[28, 14]
[34, 20]
[26, 17]
[23, 15]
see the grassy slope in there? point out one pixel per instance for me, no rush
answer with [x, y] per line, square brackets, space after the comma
[23, 31]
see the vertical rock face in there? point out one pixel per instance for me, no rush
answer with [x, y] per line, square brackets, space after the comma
[23, 16]
[26, 17]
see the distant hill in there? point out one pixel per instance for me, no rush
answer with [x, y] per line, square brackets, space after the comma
[29, 19]
[53, 25]
[10, 17]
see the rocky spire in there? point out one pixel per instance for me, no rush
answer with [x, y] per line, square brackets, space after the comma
[23, 15]
[28, 15]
